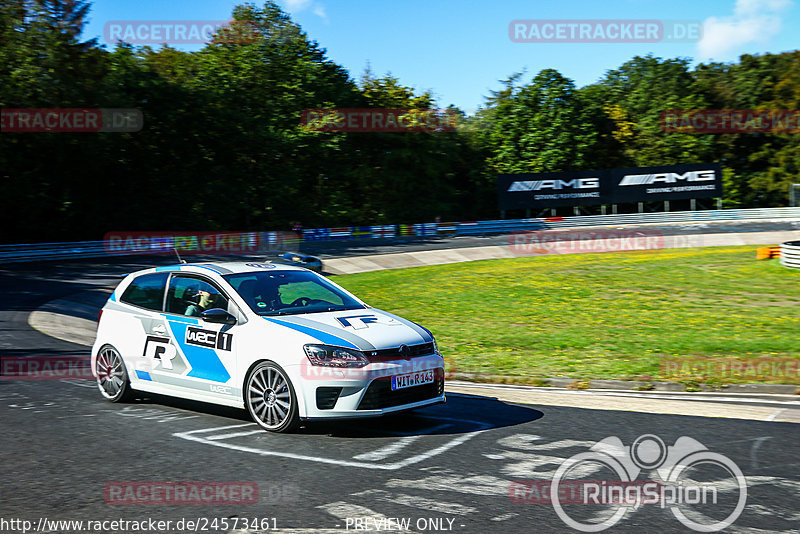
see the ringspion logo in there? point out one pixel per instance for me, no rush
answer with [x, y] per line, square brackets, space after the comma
[704, 490]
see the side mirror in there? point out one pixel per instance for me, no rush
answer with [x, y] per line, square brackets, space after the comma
[218, 315]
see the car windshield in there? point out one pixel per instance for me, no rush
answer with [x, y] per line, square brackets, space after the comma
[290, 293]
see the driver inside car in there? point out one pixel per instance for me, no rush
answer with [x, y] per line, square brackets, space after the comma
[205, 301]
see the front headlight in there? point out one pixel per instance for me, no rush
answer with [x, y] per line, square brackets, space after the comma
[328, 356]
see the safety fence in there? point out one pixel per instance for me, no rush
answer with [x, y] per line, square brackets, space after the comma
[216, 243]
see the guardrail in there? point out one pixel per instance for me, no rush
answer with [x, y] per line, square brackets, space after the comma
[95, 249]
[790, 254]
[52, 251]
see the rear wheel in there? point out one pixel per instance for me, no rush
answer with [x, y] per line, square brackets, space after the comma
[112, 378]
[270, 398]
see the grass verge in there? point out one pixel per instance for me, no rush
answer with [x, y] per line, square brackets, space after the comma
[711, 315]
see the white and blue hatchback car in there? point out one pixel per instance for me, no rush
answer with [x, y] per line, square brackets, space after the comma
[283, 342]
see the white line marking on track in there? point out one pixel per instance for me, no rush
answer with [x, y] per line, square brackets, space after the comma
[504, 517]
[525, 442]
[221, 428]
[754, 451]
[400, 444]
[388, 450]
[449, 508]
[485, 485]
[192, 436]
[776, 414]
[235, 435]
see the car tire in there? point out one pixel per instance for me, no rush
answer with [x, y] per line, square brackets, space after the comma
[270, 398]
[112, 377]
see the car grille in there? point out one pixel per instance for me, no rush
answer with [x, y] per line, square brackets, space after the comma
[411, 351]
[327, 397]
[380, 395]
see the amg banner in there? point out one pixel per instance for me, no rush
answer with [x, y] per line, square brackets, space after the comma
[614, 186]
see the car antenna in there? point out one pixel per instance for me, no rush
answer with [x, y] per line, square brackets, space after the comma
[179, 256]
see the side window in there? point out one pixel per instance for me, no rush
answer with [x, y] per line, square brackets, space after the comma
[192, 296]
[146, 291]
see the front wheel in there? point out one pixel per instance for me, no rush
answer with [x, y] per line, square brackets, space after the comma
[112, 378]
[270, 398]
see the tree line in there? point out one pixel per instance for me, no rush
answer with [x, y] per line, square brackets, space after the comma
[223, 147]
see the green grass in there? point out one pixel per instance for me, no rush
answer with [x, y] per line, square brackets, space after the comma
[614, 315]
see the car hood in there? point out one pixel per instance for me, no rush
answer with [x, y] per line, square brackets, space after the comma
[363, 329]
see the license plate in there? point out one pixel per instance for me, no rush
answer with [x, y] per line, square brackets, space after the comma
[412, 379]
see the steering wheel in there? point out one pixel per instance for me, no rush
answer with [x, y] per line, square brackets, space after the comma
[302, 301]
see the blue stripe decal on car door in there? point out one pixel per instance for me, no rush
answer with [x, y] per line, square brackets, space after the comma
[204, 361]
[325, 337]
[142, 375]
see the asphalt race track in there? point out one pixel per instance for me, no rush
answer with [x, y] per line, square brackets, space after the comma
[457, 467]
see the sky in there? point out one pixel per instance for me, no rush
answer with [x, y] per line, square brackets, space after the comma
[459, 50]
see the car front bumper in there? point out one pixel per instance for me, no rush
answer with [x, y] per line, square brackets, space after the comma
[350, 393]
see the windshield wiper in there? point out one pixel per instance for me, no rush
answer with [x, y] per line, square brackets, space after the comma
[334, 308]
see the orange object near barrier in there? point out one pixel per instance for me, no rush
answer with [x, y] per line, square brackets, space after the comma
[766, 253]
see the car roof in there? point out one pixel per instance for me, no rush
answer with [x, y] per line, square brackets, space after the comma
[227, 267]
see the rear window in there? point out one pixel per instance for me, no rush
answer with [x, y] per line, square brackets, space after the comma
[146, 291]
